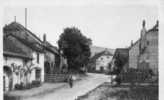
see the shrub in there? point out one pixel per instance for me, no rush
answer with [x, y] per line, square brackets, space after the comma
[28, 86]
[136, 75]
[7, 97]
[118, 80]
[36, 83]
[19, 86]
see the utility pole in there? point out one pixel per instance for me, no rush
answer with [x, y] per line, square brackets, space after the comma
[26, 18]
[15, 18]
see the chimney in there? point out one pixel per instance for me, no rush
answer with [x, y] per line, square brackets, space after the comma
[131, 42]
[15, 18]
[157, 23]
[44, 37]
[143, 23]
[26, 18]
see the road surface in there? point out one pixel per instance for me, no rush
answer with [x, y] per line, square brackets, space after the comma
[79, 88]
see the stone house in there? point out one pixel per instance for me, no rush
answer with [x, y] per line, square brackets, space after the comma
[51, 58]
[149, 50]
[13, 56]
[29, 44]
[143, 54]
[134, 54]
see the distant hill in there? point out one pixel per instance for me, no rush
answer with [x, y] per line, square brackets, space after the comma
[97, 49]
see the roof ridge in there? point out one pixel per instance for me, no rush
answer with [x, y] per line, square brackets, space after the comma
[25, 29]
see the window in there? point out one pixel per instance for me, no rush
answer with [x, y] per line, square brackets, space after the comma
[37, 57]
[101, 68]
[147, 42]
[37, 74]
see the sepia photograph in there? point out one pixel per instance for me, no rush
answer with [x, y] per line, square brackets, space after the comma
[81, 50]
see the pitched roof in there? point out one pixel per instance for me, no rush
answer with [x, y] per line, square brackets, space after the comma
[154, 28]
[10, 49]
[50, 47]
[122, 52]
[97, 49]
[96, 56]
[134, 43]
[24, 35]
[15, 26]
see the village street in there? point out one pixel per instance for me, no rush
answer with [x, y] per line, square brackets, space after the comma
[85, 52]
[79, 88]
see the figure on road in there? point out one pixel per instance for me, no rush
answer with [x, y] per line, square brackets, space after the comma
[70, 81]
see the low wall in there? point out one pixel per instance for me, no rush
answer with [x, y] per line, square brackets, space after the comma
[56, 77]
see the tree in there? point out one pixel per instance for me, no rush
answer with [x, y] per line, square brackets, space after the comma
[75, 46]
[16, 70]
[28, 68]
[119, 63]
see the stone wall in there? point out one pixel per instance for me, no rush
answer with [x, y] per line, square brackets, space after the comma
[133, 55]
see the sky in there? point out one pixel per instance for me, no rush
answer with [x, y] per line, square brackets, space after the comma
[108, 25]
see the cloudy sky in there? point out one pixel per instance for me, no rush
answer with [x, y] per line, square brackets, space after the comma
[108, 24]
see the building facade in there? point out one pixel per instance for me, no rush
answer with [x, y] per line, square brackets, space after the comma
[23, 56]
[134, 54]
[149, 53]
[144, 53]
[101, 61]
[51, 59]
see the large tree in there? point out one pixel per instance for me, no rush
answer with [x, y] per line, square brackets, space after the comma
[75, 47]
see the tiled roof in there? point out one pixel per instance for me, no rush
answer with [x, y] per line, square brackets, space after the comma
[10, 49]
[96, 56]
[50, 47]
[155, 28]
[15, 26]
[135, 43]
[24, 35]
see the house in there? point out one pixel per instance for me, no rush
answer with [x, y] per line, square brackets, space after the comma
[13, 58]
[143, 54]
[134, 54]
[101, 61]
[29, 44]
[148, 57]
[121, 55]
[51, 58]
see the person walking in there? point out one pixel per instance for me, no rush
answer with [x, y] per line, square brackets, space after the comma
[70, 81]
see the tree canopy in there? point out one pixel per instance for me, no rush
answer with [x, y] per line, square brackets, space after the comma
[75, 47]
[120, 61]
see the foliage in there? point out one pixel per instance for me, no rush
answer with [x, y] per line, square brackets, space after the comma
[136, 93]
[119, 63]
[36, 83]
[123, 92]
[16, 68]
[33, 84]
[75, 47]
[19, 86]
[137, 75]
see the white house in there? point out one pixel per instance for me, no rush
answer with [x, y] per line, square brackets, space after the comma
[102, 61]
[23, 51]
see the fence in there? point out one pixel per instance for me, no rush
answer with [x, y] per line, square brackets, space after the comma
[135, 75]
[56, 77]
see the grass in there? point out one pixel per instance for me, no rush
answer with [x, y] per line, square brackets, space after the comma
[137, 93]
[107, 92]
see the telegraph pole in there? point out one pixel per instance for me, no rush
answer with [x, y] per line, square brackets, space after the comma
[26, 18]
[15, 18]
